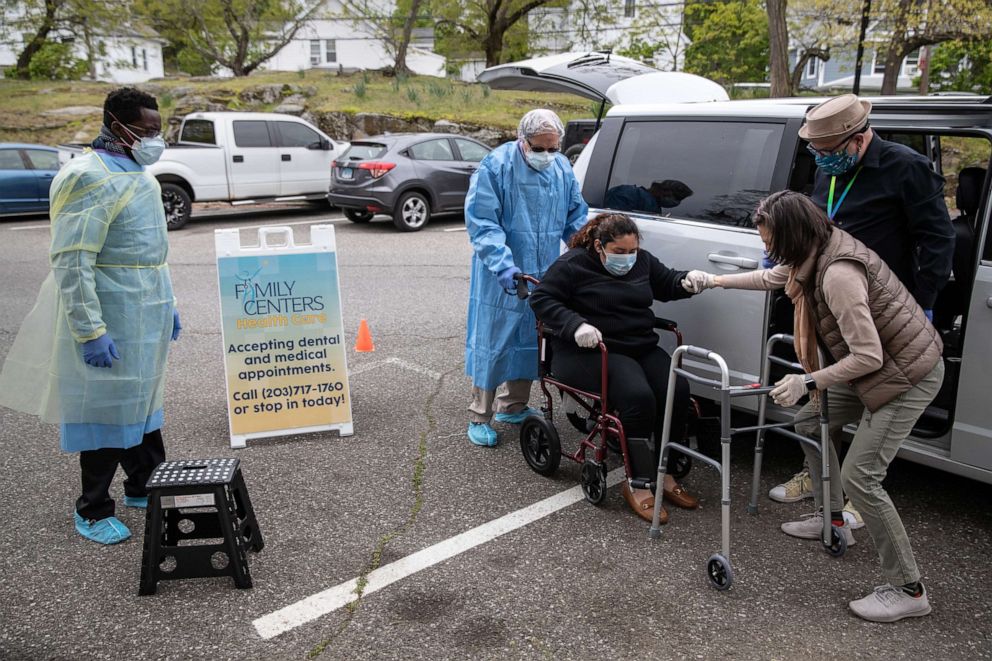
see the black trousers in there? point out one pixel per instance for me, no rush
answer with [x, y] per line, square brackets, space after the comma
[97, 469]
[636, 389]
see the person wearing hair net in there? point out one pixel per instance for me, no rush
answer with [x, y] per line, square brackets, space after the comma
[91, 355]
[522, 202]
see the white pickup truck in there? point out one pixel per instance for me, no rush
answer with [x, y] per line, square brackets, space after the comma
[243, 158]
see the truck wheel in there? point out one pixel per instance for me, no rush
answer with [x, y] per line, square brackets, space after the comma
[358, 215]
[412, 212]
[572, 153]
[177, 205]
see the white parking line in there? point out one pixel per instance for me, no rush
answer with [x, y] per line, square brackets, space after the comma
[456, 229]
[298, 222]
[312, 607]
[413, 367]
[30, 227]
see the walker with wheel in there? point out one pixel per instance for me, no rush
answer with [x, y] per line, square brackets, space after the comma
[719, 569]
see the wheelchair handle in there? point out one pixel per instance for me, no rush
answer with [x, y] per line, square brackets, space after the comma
[523, 292]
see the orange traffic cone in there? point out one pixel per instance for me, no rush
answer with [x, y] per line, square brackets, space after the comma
[364, 342]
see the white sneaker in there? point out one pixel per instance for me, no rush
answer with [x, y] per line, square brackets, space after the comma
[796, 489]
[810, 526]
[852, 517]
[890, 604]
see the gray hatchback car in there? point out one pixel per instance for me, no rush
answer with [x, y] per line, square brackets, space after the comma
[411, 176]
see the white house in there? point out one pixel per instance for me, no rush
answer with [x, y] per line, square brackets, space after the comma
[333, 40]
[119, 55]
[613, 25]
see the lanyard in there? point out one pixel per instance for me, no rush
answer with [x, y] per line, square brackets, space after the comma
[831, 209]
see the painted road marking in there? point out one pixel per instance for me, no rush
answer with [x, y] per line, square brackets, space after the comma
[31, 227]
[456, 229]
[320, 604]
[413, 367]
[298, 222]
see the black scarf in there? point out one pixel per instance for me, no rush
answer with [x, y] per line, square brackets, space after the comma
[107, 141]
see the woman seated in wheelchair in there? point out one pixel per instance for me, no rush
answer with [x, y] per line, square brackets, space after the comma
[602, 290]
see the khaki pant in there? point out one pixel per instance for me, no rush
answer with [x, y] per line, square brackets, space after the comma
[873, 448]
[510, 397]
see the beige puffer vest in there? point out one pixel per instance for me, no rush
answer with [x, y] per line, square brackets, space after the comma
[911, 346]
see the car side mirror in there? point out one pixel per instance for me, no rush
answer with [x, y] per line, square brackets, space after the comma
[322, 144]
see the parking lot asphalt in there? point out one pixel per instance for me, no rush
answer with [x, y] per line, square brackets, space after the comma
[406, 508]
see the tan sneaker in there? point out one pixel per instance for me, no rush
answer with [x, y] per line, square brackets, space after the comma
[796, 489]
[852, 517]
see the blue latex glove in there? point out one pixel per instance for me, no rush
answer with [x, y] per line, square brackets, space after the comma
[505, 278]
[929, 314]
[176, 326]
[100, 352]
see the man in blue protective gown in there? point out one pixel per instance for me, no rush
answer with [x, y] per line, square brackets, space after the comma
[522, 203]
[91, 355]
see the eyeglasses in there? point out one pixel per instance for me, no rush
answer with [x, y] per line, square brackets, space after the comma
[143, 132]
[836, 148]
[541, 150]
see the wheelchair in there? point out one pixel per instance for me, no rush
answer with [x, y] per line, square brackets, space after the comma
[540, 443]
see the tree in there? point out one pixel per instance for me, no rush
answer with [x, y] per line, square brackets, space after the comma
[484, 23]
[778, 48]
[819, 28]
[391, 25]
[238, 34]
[712, 26]
[658, 35]
[962, 66]
[908, 25]
[43, 19]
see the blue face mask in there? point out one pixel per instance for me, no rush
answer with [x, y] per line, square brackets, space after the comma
[619, 264]
[148, 150]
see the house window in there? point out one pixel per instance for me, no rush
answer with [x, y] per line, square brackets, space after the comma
[911, 64]
[330, 51]
[629, 8]
[134, 57]
[812, 67]
[144, 59]
[314, 52]
[878, 64]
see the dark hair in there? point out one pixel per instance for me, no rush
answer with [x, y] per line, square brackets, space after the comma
[795, 225]
[126, 103]
[606, 227]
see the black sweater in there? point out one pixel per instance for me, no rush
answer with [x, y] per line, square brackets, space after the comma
[578, 289]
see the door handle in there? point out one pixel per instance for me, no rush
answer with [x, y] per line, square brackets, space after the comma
[733, 260]
[238, 158]
[287, 157]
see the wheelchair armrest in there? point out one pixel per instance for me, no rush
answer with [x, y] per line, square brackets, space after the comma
[665, 324]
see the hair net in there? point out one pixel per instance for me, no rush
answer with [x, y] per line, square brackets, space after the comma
[540, 121]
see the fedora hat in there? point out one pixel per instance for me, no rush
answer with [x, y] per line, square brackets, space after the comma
[835, 118]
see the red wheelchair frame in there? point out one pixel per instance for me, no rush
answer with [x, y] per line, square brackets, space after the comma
[539, 440]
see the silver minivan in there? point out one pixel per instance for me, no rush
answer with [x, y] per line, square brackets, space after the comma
[718, 159]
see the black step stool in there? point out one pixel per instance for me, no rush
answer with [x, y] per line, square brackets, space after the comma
[216, 491]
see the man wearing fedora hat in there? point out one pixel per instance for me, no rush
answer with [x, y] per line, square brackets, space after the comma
[888, 197]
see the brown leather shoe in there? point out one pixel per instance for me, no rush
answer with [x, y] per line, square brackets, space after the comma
[681, 498]
[642, 502]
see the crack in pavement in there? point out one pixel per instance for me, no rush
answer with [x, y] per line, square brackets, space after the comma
[419, 467]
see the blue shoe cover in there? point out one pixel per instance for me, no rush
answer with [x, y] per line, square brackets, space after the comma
[132, 501]
[104, 531]
[517, 418]
[480, 433]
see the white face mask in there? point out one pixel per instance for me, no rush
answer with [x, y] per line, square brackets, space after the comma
[148, 150]
[539, 161]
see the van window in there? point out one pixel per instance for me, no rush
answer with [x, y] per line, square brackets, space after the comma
[251, 134]
[292, 134]
[715, 172]
[198, 130]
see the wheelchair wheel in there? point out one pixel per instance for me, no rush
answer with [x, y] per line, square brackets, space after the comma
[540, 445]
[594, 482]
[679, 465]
[719, 571]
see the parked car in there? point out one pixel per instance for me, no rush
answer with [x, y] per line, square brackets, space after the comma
[26, 173]
[243, 158]
[732, 154]
[601, 77]
[411, 176]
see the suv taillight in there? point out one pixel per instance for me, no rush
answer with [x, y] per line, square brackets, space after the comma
[376, 168]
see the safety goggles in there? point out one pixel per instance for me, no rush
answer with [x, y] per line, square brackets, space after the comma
[541, 150]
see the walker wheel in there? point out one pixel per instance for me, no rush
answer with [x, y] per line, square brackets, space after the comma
[719, 571]
[838, 543]
[594, 482]
[540, 445]
[679, 465]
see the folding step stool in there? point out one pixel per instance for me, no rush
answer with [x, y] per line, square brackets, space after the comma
[198, 499]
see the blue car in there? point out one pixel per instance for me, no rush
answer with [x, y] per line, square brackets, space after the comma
[26, 173]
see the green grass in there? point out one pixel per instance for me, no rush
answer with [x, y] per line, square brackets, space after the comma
[408, 97]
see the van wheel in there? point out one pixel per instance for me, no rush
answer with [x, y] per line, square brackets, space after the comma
[412, 212]
[178, 206]
[358, 215]
[572, 153]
